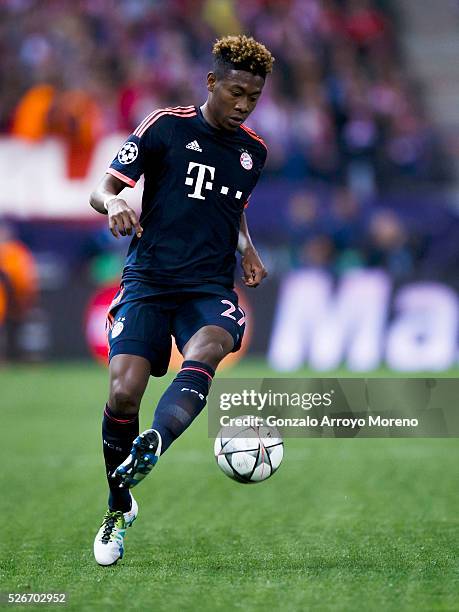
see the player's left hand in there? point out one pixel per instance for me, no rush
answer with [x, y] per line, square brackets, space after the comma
[254, 270]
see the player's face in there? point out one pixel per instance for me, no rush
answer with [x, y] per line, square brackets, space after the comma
[233, 97]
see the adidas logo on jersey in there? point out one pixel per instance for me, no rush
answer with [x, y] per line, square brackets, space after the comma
[194, 146]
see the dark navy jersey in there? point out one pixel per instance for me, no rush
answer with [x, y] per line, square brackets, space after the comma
[197, 182]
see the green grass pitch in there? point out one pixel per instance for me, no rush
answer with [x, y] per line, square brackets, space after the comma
[359, 524]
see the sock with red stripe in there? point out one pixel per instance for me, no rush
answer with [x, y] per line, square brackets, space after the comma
[182, 401]
[118, 434]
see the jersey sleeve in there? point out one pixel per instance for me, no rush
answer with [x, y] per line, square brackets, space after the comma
[263, 155]
[145, 145]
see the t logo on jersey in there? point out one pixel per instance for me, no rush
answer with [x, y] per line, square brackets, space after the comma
[200, 177]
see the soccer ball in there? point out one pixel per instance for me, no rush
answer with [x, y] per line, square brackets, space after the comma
[249, 454]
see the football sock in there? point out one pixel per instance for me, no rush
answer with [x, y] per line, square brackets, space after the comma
[182, 401]
[118, 433]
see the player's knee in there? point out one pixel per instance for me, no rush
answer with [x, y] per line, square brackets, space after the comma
[124, 398]
[210, 352]
[209, 345]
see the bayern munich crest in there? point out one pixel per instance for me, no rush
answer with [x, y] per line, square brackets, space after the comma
[117, 328]
[128, 153]
[246, 161]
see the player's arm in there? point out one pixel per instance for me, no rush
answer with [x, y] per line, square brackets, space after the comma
[145, 142]
[254, 270]
[121, 218]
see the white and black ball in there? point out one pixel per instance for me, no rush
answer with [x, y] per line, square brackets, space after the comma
[249, 454]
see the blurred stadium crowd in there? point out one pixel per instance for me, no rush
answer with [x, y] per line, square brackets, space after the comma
[339, 106]
[335, 231]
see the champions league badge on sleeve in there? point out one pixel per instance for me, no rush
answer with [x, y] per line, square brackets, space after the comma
[128, 153]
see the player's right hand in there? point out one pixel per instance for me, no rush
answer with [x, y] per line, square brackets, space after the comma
[122, 219]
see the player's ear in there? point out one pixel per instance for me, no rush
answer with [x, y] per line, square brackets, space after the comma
[211, 79]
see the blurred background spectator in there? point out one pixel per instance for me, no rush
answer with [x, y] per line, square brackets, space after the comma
[18, 290]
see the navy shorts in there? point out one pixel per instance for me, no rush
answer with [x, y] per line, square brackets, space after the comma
[142, 323]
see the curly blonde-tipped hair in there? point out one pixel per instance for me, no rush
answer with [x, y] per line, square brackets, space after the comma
[242, 53]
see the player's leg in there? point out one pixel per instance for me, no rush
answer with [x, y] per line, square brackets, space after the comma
[120, 426]
[206, 329]
[181, 403]
[204, 334]
[129, 375]
[186, 396]
[139, 347]
[147, 334]
[209, 345]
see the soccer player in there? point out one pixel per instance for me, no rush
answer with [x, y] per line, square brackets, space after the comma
[200, 166]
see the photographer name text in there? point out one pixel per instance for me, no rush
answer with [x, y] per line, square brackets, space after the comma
[324, 421]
